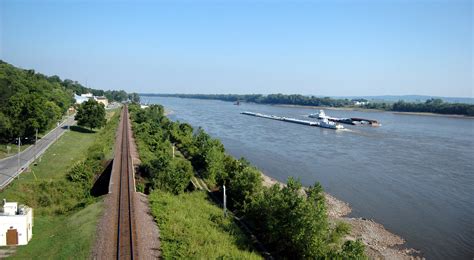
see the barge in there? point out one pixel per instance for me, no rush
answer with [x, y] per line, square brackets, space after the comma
[324, 123]
[350, 121]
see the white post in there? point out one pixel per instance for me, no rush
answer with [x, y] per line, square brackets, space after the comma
[173, 149]
[68, 118]
[225, 203]
[19, 149]
[36, 141]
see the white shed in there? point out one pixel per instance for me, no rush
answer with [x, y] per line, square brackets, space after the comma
[16, 224]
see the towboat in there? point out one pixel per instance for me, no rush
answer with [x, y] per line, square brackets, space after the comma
[325, 123]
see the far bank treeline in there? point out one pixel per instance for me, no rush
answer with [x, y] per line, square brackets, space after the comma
[429, 106]
[290, 221]
[30, 101]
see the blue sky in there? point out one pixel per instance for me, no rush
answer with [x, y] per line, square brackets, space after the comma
[308, 47]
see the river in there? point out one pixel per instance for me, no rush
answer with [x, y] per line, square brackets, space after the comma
[414, 174]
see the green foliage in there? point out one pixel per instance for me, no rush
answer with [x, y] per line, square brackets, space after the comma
[294, 225]
[244, 185]
[62, 237]
[83, 172]
[268, 99]
[191, 227]
[62, 180]
[170, 174]
[91, 114]
[290, 221]
[152, 132]
[431, 105]
[29, 101]
[116, 95]
[134, 97]
[435, 106]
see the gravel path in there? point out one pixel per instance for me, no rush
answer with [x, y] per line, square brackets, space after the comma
[147, 231]
[148, 235]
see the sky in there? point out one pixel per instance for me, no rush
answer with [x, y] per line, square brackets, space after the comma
[334, 48]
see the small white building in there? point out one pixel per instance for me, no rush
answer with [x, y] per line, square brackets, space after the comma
[16, 224]
[83, 98]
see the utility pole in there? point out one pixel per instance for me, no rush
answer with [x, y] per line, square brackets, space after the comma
[36, 141]
[69, 123]
[225, 203]
[19, 148]
[172, 145]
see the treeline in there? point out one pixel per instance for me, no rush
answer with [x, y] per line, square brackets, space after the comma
[280, 99]
[435, 106]
[430, 106]
[292, 222]
[31, 101]
[77, 88]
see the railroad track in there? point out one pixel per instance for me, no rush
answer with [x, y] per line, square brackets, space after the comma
[125, 225]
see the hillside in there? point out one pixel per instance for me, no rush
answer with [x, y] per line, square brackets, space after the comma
[31, 101]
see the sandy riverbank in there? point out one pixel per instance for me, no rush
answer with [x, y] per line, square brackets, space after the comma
[376, 110]
[380, 243]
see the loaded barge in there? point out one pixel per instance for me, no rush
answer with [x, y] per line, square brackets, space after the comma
[324, 123]
[349, 121]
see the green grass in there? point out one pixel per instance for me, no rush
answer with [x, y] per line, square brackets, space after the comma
[191, 226]
[13, 149]
[54, 163]
[64, 217]
[62, 237]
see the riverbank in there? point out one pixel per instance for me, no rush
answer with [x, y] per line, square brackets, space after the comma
[376, 110]
[380, 243]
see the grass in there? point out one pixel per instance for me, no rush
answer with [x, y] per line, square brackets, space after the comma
[191, 226]
[54, 163]
[13, 149]
[62, 237]
[64, 218]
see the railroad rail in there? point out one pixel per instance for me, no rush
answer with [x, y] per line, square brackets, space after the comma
[125, 223]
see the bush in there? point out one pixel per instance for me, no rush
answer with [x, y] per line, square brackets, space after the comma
[171, 175]
[243, 187]
[292, 223]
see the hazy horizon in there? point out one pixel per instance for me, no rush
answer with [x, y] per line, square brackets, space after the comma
[342, 48]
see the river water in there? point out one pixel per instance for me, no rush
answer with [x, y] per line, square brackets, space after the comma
[414, 174]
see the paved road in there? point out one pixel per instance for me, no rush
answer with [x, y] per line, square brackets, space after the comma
[9, 166]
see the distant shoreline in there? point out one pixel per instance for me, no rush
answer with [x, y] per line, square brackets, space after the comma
[375, 110]
[332, 108]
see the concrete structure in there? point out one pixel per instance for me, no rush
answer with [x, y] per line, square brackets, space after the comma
[16, 224]
[102, 100]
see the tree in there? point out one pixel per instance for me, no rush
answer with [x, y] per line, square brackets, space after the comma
[91, 114]
[134, 97]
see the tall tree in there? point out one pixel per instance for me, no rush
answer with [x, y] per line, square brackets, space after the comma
[91, 114]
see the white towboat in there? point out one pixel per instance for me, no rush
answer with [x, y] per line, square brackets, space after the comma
[325, 123]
